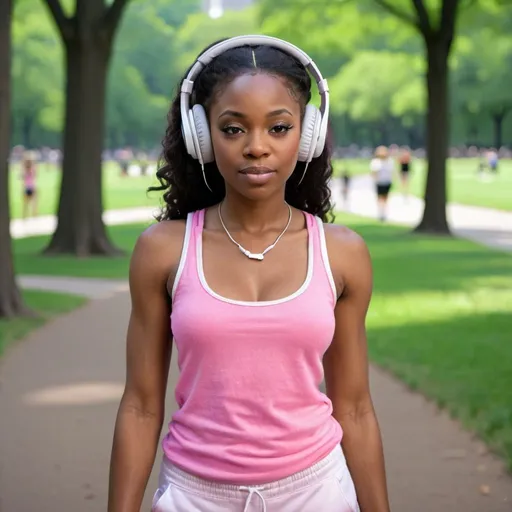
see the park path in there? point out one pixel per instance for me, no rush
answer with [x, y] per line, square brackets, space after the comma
[61, 387]
[483, 225]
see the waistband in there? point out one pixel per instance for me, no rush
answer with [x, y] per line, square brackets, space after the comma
[322, 470]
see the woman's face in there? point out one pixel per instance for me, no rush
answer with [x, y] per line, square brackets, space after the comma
[255, 123]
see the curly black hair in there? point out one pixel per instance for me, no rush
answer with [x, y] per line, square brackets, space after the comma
[180, 175]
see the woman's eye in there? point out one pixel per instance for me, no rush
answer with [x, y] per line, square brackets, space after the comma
[281, 128]
[232, 130]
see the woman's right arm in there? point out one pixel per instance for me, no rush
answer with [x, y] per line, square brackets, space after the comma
[149, 344]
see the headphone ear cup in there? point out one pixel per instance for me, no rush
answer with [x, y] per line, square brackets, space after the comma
[322, 137]
[309, 136]
[186, 132]
[202, 130]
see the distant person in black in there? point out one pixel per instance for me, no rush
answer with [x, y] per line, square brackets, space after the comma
[405, 169]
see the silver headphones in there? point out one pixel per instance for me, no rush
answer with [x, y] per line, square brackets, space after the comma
[194, 123]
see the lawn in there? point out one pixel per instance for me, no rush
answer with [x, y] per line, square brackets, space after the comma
[440, 318]
[464, 184]
[47, 306]
[119, 192]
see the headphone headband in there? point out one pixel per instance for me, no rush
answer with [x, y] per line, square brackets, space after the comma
[256, 40]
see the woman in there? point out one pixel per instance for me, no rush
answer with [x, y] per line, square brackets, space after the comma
[259, 293]
[382, 167]
[29, 185]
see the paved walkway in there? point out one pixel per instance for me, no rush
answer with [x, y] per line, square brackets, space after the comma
[46, 224]
[61, 387]
[83, 286]
[484, 225]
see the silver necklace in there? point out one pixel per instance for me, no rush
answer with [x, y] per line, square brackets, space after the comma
[256, 255]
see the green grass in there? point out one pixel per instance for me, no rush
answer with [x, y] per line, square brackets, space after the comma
[464, 185]
[119, 192]
[28, 258]
[46, 305]
[441, 320]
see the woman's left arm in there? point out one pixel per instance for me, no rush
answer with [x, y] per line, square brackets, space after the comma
[346, 369]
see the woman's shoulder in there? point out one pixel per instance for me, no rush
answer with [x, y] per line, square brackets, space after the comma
[163, 231]
[346, 249]
[343, 238]
[348, 255]
[159, 246]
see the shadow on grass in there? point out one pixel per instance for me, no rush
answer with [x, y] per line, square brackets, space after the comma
[29, 260]
[463, 363]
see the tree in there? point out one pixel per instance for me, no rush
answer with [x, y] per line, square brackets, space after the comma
[11, 302]
[199, 31]
[482, 77]
[142, 73]
[437, 28]
[399, 93]
[37, 98]
[135, 116]
[88, 37]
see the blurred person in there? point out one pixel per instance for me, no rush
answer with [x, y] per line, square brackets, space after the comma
[492, 160]
[404, 160]
[125, 157]
[143, 161]
[394, 150]
[263, 298]
[382, 169]
[482, 163]
[29, 177]
[345, 180]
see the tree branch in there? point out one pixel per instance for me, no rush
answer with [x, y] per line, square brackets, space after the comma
[113, 16]
[64, 24]
[411, 20]
[448, 19]
[423, 17]
[449, 14]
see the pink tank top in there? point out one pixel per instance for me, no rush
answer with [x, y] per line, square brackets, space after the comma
[29, 178]
[250, 409]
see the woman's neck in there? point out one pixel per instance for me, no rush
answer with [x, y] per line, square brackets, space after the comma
[240, 213]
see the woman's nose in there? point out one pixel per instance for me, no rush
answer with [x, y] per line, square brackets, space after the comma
[256, 146]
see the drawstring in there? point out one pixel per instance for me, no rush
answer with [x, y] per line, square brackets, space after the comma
[251, 491]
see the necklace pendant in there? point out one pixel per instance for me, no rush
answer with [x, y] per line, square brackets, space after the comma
[252, 255]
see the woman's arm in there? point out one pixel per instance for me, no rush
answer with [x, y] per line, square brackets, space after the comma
[141, 411]
[346, 370]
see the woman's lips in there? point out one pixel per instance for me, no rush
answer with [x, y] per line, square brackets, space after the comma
[257, 175]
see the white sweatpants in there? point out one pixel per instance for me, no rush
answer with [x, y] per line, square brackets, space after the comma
[325, 487]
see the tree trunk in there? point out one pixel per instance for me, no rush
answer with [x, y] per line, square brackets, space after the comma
[80, 229]
[437, 134]
[497, 119]
[26, 127]
[11, 303]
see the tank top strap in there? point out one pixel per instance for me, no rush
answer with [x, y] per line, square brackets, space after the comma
[321, 265]
[198, 220]
[187, 267]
